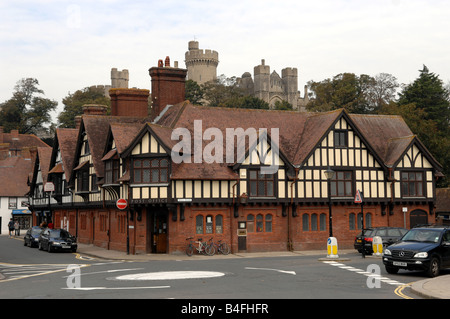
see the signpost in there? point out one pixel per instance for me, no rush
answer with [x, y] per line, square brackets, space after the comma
[359, 200]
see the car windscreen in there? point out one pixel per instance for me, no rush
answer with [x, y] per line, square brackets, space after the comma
[36, 231]
[58, 233]
[423, 235]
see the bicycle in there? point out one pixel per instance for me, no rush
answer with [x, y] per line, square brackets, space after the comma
[203, 247]
[220, 246]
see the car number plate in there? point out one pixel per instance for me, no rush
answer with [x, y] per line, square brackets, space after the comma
[65, 246]
[358, 240]
[399, 263]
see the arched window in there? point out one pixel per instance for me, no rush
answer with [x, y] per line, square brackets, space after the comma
[250, 223]
[268, 223]
[314, 222]
[219, 224]
[351, 221]
[199, 224]
[259, 223]
[209, 225]
[323, 222]
[305, 222]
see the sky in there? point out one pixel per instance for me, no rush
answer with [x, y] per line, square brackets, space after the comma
[70, 45]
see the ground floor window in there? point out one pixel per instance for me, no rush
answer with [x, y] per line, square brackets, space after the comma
[261, 223]
[209, 224]
[355, 221]
[314, 222]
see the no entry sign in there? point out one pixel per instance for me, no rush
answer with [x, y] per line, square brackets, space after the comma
[121, 203]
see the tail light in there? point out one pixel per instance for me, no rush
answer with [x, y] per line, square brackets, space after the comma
[369, 239]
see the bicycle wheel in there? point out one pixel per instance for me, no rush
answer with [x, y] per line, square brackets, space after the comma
[189, 250]
[224, 248]
[210, 250]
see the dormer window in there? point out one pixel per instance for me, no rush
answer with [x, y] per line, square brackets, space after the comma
[112, 171]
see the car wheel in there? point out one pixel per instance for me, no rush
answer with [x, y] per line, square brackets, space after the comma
[433, 269]
[391, 270]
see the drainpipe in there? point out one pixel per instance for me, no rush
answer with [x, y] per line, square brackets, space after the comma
[289, 243]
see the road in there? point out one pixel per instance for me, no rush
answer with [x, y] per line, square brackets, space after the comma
[27, 273]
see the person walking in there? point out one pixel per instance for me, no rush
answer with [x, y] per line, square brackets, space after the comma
[17, 228]
[11, 227]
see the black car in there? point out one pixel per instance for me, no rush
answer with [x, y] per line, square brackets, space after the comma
[31, 237]
[389, 236]
[425, 248]
[57, 239]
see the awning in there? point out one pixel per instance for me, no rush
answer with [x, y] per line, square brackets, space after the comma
[21, 212]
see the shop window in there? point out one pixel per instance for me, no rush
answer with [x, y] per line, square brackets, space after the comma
[209, 224]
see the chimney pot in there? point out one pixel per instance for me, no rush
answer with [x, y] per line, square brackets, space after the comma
[167, 62]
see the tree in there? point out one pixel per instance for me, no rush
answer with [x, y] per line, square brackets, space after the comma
[194, 92]
[73, 104]
[27, 110]
[429, 93]
[218, 91]
[357, 94]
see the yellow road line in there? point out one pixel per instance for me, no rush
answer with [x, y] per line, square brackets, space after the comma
[399, 291]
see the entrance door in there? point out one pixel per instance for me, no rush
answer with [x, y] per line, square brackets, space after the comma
[242, 236]
[159, 232]
[418, 217]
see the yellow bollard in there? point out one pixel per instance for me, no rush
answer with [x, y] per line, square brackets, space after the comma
[332, 248]
[377, 246]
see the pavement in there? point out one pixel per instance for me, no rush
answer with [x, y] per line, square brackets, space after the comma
[432, 288]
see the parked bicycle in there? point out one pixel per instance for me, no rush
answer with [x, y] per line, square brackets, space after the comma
[203, 247]
[220, 247]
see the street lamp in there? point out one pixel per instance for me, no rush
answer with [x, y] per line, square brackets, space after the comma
[329, 174]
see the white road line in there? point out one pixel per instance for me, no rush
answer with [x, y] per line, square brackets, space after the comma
[277, 270]
[115, 288]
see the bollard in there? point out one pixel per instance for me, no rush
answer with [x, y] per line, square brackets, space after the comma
[377, 246]
[332, 248]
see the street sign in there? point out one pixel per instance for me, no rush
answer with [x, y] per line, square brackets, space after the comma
[49, 187]
[121, 203]
[358, 197]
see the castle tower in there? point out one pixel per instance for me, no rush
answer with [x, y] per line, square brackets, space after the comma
[201, 65]
[290, 84]
[262, 81]
[119, 79]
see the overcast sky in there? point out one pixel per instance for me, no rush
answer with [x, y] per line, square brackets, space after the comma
[69, 45]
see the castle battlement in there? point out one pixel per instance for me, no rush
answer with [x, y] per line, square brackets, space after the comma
[201, 64]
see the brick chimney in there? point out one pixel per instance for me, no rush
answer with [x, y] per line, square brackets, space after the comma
[94, 109]
[168, 86]
[129, 102]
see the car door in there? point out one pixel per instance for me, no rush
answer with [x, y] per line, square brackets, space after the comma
[45, 238]
[446, 249]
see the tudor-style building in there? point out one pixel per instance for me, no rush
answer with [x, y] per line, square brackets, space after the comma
[270, 194]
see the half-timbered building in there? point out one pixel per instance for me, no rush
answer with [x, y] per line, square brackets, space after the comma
[253, 178]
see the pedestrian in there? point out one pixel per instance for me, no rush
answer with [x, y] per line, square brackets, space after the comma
[11, 227]
[17, 228]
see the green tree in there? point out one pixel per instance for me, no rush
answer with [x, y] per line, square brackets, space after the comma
[218, 91]
[73, 104]
[427, 101]
[27, 110]
[194, 92]
[429, 93]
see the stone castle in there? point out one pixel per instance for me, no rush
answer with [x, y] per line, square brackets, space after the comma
[269, 87]
[202, 65]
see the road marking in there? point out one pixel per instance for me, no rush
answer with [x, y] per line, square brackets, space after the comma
[278, 270]
[399, 291]
[17, 271]
[171, 275]
[115, 288]
[365, 273]
[106, 271]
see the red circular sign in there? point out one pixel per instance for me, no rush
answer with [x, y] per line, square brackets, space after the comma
[121, 203]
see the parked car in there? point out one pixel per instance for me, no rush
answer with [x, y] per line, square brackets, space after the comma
[31, 238]
[57, 239]
[389, 236]
[424, 248]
